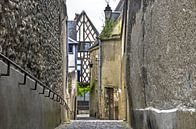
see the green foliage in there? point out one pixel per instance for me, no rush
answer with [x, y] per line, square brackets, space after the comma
[82, 89]
[107, 30]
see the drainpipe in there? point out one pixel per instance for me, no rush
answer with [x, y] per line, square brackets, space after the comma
[66, 56]
[125, 9]
[100, 75]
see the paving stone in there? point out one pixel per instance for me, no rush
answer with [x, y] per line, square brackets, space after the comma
[95, 124]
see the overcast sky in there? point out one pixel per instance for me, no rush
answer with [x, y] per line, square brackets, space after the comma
[93, 8]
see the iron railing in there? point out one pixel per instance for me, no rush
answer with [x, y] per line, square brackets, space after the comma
[58, 98]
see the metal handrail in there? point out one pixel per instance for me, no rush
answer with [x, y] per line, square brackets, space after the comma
[37, 81]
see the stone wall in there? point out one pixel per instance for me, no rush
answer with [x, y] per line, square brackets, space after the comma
[30, 35]
[112, 78]
[111, 62]
[94, 93]
[161, 57]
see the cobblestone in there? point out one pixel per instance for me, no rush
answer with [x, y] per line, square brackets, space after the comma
[95, 124]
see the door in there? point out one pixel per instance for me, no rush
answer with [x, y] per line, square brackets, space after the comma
[110, 103]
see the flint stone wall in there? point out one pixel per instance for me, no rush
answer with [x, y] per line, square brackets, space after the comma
[30, 36]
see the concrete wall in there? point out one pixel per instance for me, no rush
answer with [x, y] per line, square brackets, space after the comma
[30, 33]
[22, 108]
[161, 60]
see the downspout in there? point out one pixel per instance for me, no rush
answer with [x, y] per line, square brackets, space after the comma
[66, 56]
[100, 75]
[125, 9]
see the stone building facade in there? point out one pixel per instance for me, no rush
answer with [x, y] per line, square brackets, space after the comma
[160, 64]
[112, 91]
[31, 34]
[107, 99]
[95, 89]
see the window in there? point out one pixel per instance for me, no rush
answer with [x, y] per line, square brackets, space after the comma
[85, 46]
[71, 48]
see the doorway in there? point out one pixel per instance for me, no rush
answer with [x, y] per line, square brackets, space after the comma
[110, 103]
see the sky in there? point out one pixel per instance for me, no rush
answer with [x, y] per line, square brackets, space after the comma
[93, 8]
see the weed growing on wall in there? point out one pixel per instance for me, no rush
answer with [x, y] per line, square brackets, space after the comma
[107, 30]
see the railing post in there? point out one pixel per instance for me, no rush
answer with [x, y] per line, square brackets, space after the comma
[8, 70]
[35, 88]
[51, 93]
[24, 80]
[43, 90]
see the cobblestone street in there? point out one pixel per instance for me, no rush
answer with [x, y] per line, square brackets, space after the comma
[95, 124]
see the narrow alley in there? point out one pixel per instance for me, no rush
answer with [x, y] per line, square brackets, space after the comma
[97, 64]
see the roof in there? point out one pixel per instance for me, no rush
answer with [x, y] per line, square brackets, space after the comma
[72, 30]
[115, 15]
[96, 43]
[72, 41]
[120, 5]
